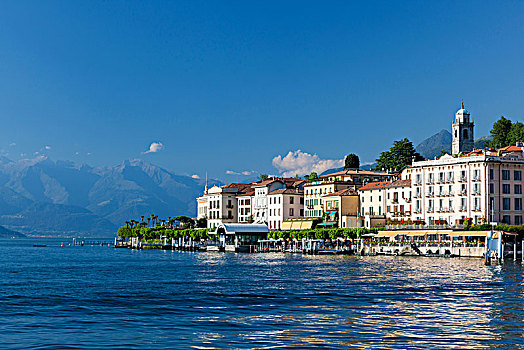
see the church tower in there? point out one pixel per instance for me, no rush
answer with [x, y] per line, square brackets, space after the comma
[462, 132]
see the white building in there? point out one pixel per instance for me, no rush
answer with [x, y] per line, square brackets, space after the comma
[373, 204]
[284, 204]
[398, 201]
[219, 204]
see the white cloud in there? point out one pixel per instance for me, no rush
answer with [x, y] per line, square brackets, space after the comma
[36, 153]
[195, 176]
[303, 163]
[47, 147]
[154, 148]
[12, 144]
[245, 172]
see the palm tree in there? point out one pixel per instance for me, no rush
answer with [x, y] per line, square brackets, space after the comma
[148, 219]
[127, 223]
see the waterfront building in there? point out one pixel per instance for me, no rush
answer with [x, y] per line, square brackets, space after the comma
[342, 208]
[284, 204]
[398, 201]
[245, 207]
[335, 182]
[372, 204]
[219, 204]
[263, 188]
[449, 190]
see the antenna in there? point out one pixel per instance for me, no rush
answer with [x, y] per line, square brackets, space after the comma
[206, 182]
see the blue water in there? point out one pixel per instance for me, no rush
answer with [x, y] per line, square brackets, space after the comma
[102, 298]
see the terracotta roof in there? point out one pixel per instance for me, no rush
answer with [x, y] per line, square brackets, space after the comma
[374, 185]
[346, 192]
[400, 183]
[357, 172]
[511, 149]
[287, 191]
[250, 193]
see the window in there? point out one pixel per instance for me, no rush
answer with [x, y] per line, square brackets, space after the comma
[518, 203]
[518, 219]
[517, 175]
[506, 219]
[505, 174]
[301, 212]
[491, 188]
[518, 189]
[491, 174]
[291, 213]
[506, 204]
[291, 200]
[505, 188]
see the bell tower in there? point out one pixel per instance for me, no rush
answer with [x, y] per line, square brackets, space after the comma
[462, 128]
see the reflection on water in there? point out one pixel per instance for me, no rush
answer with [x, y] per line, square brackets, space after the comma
[98, 297]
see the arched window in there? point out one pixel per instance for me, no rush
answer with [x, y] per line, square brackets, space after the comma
[456, 135]
[465, 133]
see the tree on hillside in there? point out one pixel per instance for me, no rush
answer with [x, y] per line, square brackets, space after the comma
[499, 133]
[515, 134]
[443, 152]
[263, 177]
[312, 176]
[351, 162]
[398, 156]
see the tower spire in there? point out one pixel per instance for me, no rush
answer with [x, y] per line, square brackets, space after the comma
[462, 104]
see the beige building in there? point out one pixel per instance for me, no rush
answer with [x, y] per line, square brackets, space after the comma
[373, 204]
[335, 182]
[342, 207]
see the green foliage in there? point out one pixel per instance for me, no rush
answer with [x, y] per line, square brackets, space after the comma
[201, 223]
[321, 233]
[312, 176]
[124, 231]
[442, 152]
[263, 177]
[351, 162]
[515, 134]
[398, 156]
[499, 133]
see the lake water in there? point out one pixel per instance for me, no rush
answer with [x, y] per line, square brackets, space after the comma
[101, 298]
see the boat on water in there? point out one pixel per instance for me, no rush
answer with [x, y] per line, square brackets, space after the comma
[39, 245]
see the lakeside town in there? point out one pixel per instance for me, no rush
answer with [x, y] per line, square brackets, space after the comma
[446, 206]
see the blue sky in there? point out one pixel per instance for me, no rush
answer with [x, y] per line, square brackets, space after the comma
[228, 86]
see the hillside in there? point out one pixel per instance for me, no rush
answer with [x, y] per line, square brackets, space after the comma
[42, 196]
[6, 233]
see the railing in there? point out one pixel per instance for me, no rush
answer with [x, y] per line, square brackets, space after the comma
[423, 227]
[463, 179]
[430, 194]
[450, 179]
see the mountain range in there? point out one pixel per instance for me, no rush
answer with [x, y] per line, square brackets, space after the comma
[41, 196]
[431, 147]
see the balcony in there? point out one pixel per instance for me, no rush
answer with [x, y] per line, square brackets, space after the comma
[476, 178]
[441, 210]
[417, 195]
[477, 209]
[441, 194]
[394, 201]
[476, 192]
[450, 179]
[463, 209]
[407, 199]
[451, 194]
[430, 194]
[430, 181]
[463, 193]
[441, 180]
[417, 183]
[417, 211]
[463, 179]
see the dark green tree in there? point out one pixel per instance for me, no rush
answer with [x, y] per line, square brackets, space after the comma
[442, 152]
[398, 156]
[515, 134]
[351, 162]
[263, 177]
[312, 176]
[201, 223]
[499, 133]
[124, 231]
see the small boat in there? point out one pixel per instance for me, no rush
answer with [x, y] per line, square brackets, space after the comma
[39, 245]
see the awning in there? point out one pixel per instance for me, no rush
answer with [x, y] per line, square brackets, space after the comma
[417, 233]
[472, 234]
[286, 225]
[387, 233]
